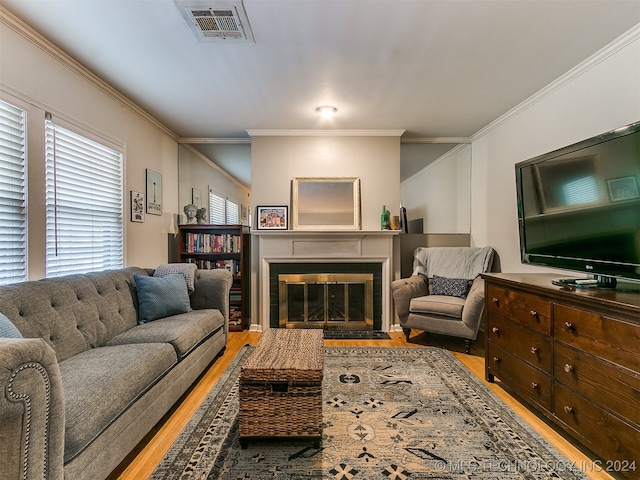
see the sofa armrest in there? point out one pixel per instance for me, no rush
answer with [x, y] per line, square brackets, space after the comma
[404, 290]
[211, 290]
[31, 410]
[474, 305]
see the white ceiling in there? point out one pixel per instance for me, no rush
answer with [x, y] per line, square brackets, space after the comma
[435, 68]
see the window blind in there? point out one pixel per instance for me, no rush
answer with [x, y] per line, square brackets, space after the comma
[83, 204]
[216, 209]
[13, 208]
[232, 213]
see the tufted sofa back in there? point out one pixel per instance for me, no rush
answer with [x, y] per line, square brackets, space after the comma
[76, 312]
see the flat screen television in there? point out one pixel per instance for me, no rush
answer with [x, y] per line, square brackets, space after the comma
[579, 208]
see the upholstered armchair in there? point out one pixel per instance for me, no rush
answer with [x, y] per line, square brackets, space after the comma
[445, 293]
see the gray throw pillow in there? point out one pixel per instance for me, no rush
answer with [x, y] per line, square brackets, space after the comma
[452, 287]
[8, 329]
[160, 297]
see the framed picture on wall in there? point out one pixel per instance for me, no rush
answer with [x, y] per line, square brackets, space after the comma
[273, 218]
[196, 197]
[154, 193]
[622, 188]
[137, 206]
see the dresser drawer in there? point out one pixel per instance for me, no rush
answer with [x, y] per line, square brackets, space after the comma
[522, 342]
[614, 340]
[524, 380]
[599, 430]
[528, 310]
[601, 382]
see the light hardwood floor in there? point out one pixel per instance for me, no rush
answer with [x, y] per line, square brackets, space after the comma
[142, 461]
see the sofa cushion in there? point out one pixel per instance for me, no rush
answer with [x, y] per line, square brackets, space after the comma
[437, 305]
[184, 331]
[160, 297]
[453, 287]
[99, 384]
[8, 329]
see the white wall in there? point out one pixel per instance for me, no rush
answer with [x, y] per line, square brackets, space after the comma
[439, 193]
[31, 70]
[196, 171]
[276, 160]
[599, 96]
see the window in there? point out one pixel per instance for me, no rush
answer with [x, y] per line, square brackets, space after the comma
[13, 209]
[83, 203]
[222, 211]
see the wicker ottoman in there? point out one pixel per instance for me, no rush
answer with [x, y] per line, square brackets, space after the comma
[281, 386]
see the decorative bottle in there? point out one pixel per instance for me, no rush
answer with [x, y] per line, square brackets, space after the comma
[384, 218]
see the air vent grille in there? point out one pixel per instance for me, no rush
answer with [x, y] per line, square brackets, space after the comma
[217, 20]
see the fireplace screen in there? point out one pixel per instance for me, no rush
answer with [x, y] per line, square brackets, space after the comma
[326, 300]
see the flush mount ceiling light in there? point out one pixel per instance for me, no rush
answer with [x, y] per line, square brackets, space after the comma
[326, 111]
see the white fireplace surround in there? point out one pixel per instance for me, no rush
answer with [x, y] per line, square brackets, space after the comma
[293, 246]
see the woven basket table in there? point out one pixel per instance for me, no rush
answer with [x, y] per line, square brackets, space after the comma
[281, 386]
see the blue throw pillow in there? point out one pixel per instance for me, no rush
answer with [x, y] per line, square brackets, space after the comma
[8, 329]
[160, 297]
[452, 287]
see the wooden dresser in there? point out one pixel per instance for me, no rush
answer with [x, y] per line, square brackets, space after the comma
[573, 355]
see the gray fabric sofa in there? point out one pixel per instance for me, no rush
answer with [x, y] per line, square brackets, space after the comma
[87, 382]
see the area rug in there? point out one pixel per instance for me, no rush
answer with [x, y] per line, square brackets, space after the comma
[388, 413]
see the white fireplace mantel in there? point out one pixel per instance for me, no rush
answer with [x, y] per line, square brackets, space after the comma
[348, 246]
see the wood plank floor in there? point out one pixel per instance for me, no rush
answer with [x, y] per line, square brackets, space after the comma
[142, 461]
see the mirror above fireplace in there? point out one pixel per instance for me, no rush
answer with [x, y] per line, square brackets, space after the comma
[325, 203]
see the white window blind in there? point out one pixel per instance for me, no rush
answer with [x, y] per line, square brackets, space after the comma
[232, 213]
[83, 202]
[13, 210]
[222, 211]
[216, 209]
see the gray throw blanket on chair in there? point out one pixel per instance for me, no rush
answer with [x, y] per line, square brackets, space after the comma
[452, 262]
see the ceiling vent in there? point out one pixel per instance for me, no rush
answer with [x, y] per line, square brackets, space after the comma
[217, 20]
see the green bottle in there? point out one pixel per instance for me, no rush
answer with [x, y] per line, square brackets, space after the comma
[384, 219]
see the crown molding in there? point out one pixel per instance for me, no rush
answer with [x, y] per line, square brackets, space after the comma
[325, 133]
[601, 55]
[24, 30]
[196, 140]
[436, 140]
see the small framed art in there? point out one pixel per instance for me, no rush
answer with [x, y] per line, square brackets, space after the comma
[622, 188]
[154, 193]
[137, 206]
[272, 218]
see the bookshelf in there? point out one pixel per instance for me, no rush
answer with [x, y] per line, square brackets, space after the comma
[222, 246]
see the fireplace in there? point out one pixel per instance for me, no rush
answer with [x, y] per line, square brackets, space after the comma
[332, 301]
[346, 296]
[337, 297]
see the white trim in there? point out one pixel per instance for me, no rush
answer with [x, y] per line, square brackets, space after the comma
[325, 133]
[234, 141]
[436, 140]
[621, 42]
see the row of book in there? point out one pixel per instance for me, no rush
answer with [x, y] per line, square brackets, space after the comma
[232, 265]
[211, 243]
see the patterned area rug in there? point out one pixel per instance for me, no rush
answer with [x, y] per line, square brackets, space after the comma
[389, 413]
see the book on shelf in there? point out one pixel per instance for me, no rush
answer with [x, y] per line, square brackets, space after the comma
[211, 242]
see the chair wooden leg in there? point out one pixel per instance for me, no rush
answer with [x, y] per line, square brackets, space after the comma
[407, 333]
[467, 346]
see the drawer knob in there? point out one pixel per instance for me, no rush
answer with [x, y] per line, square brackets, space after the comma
[496, 360]
[534, 314]
[534, 386]
[568, 326]
[568, 368]
[495, 300]
[534, 350]
[495, 330]
[568, 410]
